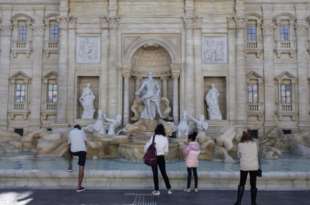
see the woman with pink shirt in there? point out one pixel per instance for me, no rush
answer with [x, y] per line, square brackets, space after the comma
[191, 153]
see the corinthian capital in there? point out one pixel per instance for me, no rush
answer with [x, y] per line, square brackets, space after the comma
[114, 22]
[192, 22]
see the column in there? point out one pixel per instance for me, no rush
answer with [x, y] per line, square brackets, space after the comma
[113, 91]
[189, 67]
[62, 71]
[36, 83]
[126, 77]
[268, 66]
[5, 66]
[103, 92]
[72, 97]
[175, 78]
[303, 89]
[231, 81]
[241, 91]
[199, 78]
[164, 80]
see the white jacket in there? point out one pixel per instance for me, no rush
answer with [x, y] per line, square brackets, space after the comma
[248, 154]
[161, 144]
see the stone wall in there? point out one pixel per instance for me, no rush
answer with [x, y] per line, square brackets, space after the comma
[204, 39]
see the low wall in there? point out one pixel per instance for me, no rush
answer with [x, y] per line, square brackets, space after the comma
[115, 179]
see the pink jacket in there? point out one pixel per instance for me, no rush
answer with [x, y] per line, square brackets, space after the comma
[191, 153]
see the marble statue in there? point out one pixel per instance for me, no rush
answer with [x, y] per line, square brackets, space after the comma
[87, 101]
[212, 100]
[98, 126]
[201, 123]
[113, 124]
[183, 127]
[149, 93]
[224, 143]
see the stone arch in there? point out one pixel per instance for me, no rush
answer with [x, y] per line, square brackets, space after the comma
[135, 46]
[280, 16]
[253, 16]
[22, 16]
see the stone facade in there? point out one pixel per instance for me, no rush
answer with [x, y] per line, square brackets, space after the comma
[256, 52]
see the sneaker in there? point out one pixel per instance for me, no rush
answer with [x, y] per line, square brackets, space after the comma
[80, 189]
[156, 193]
[169, 191]
[187, 190]
[69, 170]
[196, 190]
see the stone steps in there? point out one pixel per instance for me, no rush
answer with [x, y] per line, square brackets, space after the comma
[116, 179]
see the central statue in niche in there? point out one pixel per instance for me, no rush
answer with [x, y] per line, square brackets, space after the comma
[149, 94]
[148, 103]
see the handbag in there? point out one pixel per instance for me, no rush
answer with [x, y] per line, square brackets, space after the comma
[150, 156]
[259, 172]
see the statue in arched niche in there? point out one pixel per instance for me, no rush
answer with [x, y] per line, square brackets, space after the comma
[87, 101]
[148, 102]
[212, 100]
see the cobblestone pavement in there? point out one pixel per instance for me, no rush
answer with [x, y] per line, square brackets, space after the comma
[142, 197]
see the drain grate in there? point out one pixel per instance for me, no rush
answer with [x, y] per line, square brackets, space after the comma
[143, 199]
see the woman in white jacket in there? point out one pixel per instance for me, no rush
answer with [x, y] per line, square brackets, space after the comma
[248, 154]
[162, 148]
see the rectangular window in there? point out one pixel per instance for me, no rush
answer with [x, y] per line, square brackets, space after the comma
[53, 32]
[286, 93]
[285, 31]
[253, 93]
[22, 31]
[252, 32]
[20, 93]
[51, 93]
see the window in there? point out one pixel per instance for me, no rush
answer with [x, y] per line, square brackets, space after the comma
[286, 93]
[285, 31]
[20, 93]
[252, 32]
[51, 92]
[22, 31]
[53, 31]
[253, 92]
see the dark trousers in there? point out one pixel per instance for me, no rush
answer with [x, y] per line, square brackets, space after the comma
[192, 171]
[161, 163]
[253, 178]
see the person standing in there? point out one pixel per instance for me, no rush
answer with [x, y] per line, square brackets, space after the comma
[191, 152]
[77, 147]
[162, 148]
[248, 154]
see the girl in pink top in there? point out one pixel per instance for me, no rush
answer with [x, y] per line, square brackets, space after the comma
[191, 152]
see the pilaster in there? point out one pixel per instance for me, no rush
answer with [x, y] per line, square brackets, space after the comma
[303, 88]
[5, 42]
[114, 89]
[268, 29]
[36, 90]
[61, 117]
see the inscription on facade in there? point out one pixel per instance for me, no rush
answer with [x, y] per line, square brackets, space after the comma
[88, 50]
[214, 50]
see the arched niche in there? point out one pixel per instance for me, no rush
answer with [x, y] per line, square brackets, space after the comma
[150, 58]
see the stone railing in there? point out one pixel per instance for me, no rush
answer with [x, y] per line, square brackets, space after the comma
[51, 106]
[53, 45]
[253, 107]
[252, 45]
[19, 106]
[286, 108]
[21, 45]
[285, 44]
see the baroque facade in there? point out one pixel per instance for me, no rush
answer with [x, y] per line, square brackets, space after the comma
[255, 52]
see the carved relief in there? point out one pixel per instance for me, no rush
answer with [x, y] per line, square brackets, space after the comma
[88, 50]
[215, 50]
